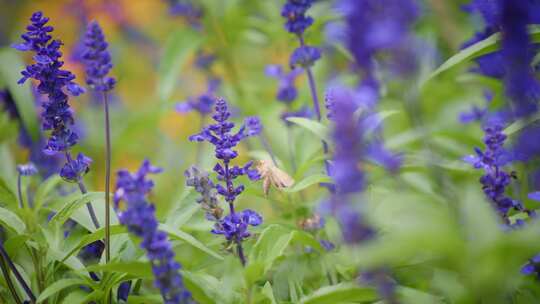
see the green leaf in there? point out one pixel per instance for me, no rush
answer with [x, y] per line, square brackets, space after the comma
[10, 67]
[269, 292]
[135, 268]
[308, 181]
[146, 299]
[65, 212]
[313, 126]
[180, 45]
[189, 239]
[520, 124]
[486, 46]
[12, 221]
[94, 236]
[44, 189]
[344, 292]
[6, 195]
[204, 288]
[57, 287]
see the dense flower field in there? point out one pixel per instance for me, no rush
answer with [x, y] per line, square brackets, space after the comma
[277, 151]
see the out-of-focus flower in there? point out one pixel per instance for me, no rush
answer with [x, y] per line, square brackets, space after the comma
[348, 177]
[374, 26]
[295, 13]
[304, 56]
[532, 267]
[140, 219]
[27, 169]
[97, 59]
[287, 91]
[202, 103]
[520, 82]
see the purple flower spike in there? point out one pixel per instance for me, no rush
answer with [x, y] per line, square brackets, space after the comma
[140, 219]
[57, 116]
[97, 59]
[495, 180]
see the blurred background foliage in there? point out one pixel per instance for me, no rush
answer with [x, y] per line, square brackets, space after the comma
[439, 235]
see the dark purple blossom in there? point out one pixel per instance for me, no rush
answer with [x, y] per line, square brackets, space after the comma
[140, 219]
[534, 196]
[304, 56]
[97, 59]
[527, 144]
[295, 13]
[123, 291]
[532, 267]
[287, 91]
[235, 225]
[27, 169]
[75, 169]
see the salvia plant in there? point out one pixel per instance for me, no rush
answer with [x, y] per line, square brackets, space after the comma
[269, 152]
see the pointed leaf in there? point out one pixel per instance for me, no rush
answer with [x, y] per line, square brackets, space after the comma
[344, 292]
[313, 126]
[12, 221]
[57, 287]
[189, 239]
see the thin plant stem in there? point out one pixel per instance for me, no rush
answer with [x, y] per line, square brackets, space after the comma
[200, 146]
[290, 144]
[19, 191]
[231, 210]
[266, 145]
[17, 274]
[83, 190]
[316, 106]
[9, 282]
[107, 179]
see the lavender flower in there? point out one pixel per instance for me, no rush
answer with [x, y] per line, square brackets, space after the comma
[495, 180]
[234, 225]
[27, 169]
[57, 115]
[140, 219]
[304, 56]
[476, 113]
[295, 13]
[220, 135]
[75, 169]
[287, 91]
[97, 59]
